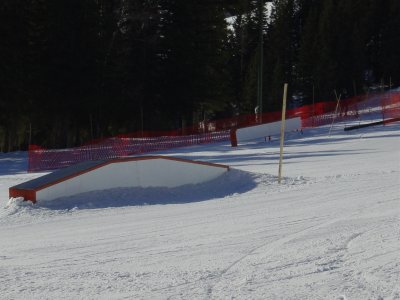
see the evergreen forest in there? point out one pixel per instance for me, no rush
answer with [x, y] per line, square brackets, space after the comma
[76, 70]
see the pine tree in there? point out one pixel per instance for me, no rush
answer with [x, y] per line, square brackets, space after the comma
[281, 51]
[389, 39]
[15, 74]
[244, 41]
[130, 69]
[308, 49]
[193, 58]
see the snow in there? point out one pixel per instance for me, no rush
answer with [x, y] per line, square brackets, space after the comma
[330, 231]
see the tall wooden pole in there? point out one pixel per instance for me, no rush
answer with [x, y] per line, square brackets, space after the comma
[282, 132]
[336, 110]
[313, 105]
[260, 62]
[30, 134]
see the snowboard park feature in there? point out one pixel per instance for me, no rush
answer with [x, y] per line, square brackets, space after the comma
[148, 171]
[329, 231]
[264, 130]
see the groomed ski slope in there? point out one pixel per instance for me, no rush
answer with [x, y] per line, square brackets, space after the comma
[330, 231]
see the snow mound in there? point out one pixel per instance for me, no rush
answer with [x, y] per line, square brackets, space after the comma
[231, 185]
[233, 182]
[13, 206]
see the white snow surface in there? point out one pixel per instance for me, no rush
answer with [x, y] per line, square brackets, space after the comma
[331, 230]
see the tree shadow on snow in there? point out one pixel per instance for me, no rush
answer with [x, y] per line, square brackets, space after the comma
[272, 157]
[234, 181]
[13, 163]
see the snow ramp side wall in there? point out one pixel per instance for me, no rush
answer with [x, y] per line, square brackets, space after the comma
[150, 171]
[261, 131]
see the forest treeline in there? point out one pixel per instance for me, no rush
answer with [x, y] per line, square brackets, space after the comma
[76, 70]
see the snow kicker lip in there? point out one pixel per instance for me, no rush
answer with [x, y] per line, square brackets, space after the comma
[146, 171]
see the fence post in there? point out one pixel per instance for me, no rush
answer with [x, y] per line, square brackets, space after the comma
[282, 132]
[336, 109]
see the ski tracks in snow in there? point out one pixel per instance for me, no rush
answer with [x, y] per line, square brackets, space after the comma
[333, 259]
[263, 255]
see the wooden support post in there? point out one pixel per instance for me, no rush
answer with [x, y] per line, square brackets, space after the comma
[336, 111]
[282, 132]
[30, 134]
[313, 107]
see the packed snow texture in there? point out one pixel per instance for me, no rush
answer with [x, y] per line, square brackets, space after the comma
[331, 230]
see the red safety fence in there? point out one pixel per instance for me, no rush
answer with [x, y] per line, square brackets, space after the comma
[363, 107]
[41, 159]
[391, 105]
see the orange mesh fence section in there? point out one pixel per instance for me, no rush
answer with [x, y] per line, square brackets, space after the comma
[363, 107]
[391, 105]
[41, 159]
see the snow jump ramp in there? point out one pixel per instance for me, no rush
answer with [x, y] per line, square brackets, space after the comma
[146, 171]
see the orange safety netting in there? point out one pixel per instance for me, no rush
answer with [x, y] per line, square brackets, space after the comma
[386, 105]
